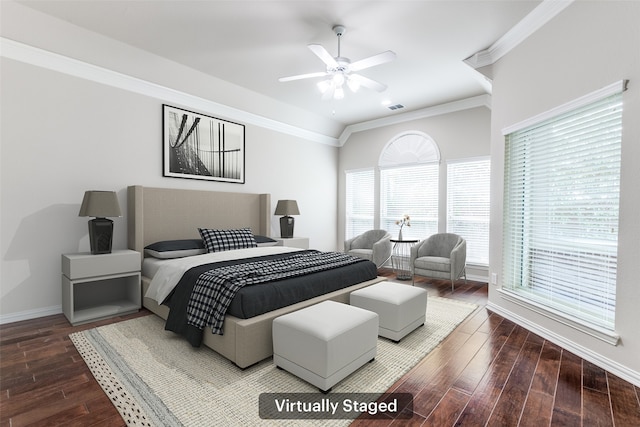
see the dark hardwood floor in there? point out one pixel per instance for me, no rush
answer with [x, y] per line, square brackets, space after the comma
[488, 372]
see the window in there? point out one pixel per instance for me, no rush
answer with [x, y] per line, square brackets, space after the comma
[411, 190]
[468, 205]
[561, 201]
[409, 185]
[360, 202]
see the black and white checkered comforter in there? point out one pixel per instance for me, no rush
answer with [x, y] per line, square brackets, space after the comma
[215, 288]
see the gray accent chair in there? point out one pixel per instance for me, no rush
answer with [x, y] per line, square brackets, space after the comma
[374, 245]
[441, 256]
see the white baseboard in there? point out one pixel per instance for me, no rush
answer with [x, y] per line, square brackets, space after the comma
[597, 359]
[30, 314]
[477, 278]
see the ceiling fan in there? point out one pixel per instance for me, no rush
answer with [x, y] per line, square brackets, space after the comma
[341, 70]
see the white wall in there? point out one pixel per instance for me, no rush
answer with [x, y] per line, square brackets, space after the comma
[64, 133]
[588, 46]
[461, 134]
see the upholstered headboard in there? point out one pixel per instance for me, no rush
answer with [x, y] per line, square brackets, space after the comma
[156, 214]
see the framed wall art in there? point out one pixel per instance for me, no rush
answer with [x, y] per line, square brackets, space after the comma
[197, 146]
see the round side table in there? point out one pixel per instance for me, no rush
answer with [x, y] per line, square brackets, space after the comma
[400, 258]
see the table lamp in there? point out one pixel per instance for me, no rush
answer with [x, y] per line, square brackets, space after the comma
[100, 204]
[286, 208]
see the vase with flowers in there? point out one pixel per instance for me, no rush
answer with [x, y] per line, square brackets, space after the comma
[406, 220]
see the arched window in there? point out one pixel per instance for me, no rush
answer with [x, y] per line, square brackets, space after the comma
[409, 184]
[409, 148]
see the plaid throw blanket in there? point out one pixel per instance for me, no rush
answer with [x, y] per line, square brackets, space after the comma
[215, 288]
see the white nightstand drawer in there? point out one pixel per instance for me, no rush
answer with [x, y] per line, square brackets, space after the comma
[78, 266]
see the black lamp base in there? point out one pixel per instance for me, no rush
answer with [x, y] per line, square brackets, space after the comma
[286, 227]
[100, 235]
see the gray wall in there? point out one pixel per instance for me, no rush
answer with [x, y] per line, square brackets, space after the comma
[588, 46]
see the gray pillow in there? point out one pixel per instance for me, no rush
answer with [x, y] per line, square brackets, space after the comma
[263, 241]
[168, 249]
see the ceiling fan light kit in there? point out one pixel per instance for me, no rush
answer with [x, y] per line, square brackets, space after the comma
[341, 70]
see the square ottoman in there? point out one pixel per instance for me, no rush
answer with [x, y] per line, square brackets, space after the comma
[401, 308]
[324, 343]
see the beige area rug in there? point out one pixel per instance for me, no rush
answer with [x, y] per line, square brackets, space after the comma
[154, 378]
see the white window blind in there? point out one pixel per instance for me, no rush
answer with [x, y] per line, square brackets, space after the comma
[561, 199]
[359, 202]
[468, 205]
[411, 190]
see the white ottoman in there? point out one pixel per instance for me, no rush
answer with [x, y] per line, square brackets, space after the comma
[401, 308]
[324, 343]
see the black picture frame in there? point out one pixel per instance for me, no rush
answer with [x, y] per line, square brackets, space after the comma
[197, 146]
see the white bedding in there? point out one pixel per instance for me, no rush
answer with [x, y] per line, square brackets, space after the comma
[169, 271]
[151, 265]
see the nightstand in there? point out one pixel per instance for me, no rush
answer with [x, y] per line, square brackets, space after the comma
[99, 286]
[293, 242]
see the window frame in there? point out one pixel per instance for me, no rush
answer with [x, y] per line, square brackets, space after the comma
[516, 285]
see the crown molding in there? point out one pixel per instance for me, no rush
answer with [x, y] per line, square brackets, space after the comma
[531, 23]
[63, 64]
[450, 107]
[52, 61]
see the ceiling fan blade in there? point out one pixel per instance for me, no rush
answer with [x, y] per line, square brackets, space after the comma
[303, 76]
[372, 61]
[367, 82]
[325, 56]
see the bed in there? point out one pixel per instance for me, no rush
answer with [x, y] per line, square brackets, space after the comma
[162, 214]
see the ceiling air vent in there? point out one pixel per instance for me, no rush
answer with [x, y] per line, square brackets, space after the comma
[395, 107]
